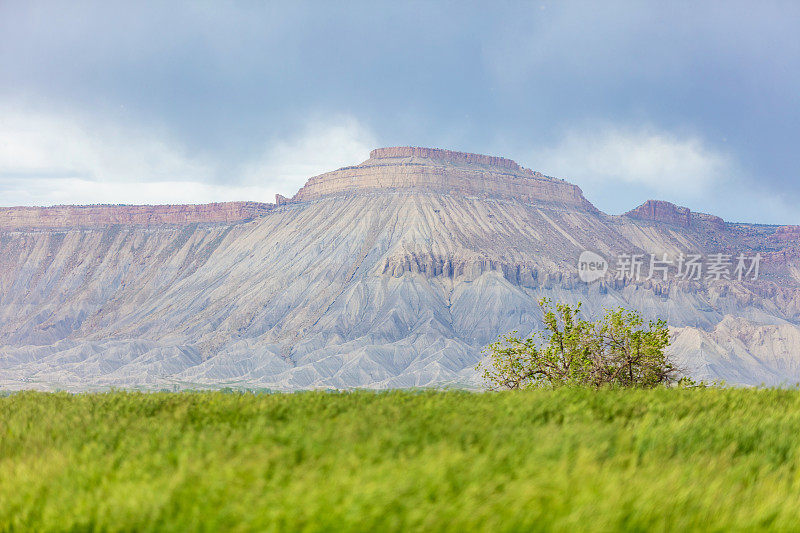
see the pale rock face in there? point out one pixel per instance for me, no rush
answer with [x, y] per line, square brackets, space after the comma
[397, 280]
[444, 171]
[67, 216]
[669, 213]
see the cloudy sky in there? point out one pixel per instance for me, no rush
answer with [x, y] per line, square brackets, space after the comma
[170, 102]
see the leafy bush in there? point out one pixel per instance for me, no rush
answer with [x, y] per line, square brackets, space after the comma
[619, 349]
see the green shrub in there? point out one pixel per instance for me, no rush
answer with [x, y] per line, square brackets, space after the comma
[617, 350]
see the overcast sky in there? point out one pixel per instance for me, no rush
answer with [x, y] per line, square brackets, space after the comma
[169, 102]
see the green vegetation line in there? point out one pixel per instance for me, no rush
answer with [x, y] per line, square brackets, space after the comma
[563, 460]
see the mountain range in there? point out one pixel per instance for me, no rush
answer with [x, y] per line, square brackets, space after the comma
[395, 272]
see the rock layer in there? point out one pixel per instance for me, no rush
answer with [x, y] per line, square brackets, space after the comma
[444, 171]
[370, 286]
[67, 216]
[669, 213]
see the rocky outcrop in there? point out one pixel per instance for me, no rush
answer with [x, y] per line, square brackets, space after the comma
[68, 216]
[660, 211]
[444, 171]
[445, 155]
[669, 213]
[360, 288]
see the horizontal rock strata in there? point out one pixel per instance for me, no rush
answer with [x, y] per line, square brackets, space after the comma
[444, 171]
[395, 273]
[66, 216]
[669, 213]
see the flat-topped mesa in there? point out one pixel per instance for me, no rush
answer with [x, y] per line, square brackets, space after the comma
[445, 155]
[68, 216]
[445, 171]
[669, 213]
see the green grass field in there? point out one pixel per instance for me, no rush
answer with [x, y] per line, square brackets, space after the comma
[567, 460]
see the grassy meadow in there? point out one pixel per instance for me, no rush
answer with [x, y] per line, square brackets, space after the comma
[564, 460]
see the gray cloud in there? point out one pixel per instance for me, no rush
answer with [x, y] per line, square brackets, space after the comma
[223, 85]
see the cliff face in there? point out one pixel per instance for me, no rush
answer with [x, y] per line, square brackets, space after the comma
[397, 274]
[387, 169]
[669, 213]
[447, 172]
[448, 156]
[68, 216]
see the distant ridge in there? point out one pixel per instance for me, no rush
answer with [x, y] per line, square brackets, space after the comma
[395, 272]
[444, 171]
[444, 155]
[669, 213]
[387, 169]
[63, 216]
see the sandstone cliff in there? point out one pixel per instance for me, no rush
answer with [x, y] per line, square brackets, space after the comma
[669, 213]
[68, 216]
[395, 272]
[444, 171]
